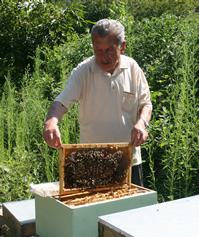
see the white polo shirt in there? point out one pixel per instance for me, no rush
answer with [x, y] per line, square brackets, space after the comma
[109, 104]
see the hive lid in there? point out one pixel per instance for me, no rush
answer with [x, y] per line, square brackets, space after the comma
[45, 189]
[67, 149]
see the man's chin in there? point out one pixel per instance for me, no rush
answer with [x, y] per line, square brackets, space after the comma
[106, 67]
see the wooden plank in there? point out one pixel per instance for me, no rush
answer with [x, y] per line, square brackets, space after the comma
[130, 150]
[74, 195]
[86, 197]
[6, 228]
[97, 145]
[104, 231]
[61, 170]
[78, 194]
[101, 189]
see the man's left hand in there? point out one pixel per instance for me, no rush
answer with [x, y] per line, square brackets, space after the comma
[139, 135]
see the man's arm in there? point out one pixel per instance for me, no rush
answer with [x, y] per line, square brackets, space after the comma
[139, 135]
[51, 133]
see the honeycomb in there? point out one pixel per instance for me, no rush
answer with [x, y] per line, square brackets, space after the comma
[91, 168]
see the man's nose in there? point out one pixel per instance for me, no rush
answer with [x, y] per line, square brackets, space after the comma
[104, 56]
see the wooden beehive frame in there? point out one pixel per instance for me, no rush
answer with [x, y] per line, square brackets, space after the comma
[126, 148]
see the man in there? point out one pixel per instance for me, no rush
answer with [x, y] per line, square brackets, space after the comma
[114, 96]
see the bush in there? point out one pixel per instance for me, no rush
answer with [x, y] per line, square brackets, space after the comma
[25, 25]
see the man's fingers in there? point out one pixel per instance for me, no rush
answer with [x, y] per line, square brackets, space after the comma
[52, 138]
[57, 140]
[139, 137]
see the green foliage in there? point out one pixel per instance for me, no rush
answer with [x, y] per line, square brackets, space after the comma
[22, 160]
[25, 157]
[141, 9]
[96, 10]
[154, 42]
[25, 25]
[174, 151]
[17, 173]
[182, 135]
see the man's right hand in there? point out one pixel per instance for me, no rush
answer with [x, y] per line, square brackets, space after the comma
[51, 133]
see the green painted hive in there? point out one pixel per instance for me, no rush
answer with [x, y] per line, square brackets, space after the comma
[54, 218]
[68, 212]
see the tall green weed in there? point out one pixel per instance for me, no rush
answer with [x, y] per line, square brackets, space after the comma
[22, 115]
[25, 157]
[176, 130]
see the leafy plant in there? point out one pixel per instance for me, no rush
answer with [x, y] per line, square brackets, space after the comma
[25, 25]
[176, 168]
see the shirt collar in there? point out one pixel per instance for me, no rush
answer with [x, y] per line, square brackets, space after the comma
[123, 62]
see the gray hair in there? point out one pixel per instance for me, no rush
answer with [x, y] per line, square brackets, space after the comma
[105, 27]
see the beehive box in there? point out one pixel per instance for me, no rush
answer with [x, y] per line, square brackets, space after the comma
[20, 217]
[57, 214]
[177, 218]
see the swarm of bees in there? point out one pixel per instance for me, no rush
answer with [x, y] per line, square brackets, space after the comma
[90, 168]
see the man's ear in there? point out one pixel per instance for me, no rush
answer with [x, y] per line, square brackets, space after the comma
[123, 46]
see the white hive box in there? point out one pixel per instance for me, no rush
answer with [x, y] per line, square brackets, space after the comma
[55, 218]
[21, 215]
[178, 218]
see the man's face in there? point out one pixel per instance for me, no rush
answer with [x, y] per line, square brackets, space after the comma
[107, 52]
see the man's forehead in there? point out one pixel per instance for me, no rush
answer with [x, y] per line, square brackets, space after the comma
[108, 39]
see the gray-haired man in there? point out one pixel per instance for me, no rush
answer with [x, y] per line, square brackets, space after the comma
[114, 96]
